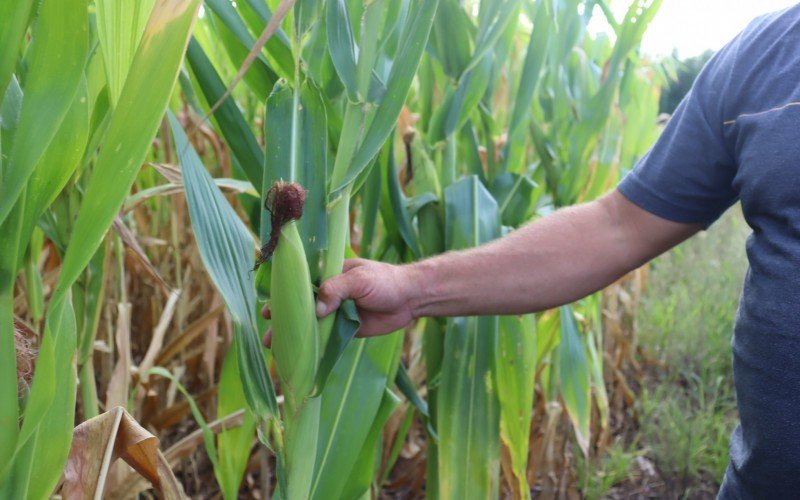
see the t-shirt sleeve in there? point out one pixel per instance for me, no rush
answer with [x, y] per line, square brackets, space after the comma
[688, 174]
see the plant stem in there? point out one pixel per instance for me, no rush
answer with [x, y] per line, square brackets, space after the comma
[88, 389]
[339, 209]
[449, 161]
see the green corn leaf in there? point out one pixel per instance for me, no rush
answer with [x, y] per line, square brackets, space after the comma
[55, 432]
[232, 124]
[342, 46]
[9, 119]
[594, 349]
[373, 27]
[260, 77]
[9, 402]
[370, 208]
[397, 211]
[119, 27]
[535, 56]
[278, 49]
[9, 248]
[227, 250]
[15, 17]
[262, 10]
[452, 38]
[47, 429]
[574, 377]
[406, 387]
[230, 18]
[468, 426]
[344, 330]
[494, 20]
[350, 404]
[233, 445]
[361, 478]
[516, 377]
[467, 404]
[516, 195]
[461, 102]
[61, 34]
[59, 162]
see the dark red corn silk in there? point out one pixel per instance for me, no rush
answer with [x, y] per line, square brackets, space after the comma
[284, 202]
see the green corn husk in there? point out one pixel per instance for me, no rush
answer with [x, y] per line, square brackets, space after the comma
[295, 338]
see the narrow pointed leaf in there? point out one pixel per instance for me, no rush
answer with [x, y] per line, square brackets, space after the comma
[228, 252]
[574, 377]
[344, 330]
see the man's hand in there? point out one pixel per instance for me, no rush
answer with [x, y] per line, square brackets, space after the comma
[383, 295]
[382, 292]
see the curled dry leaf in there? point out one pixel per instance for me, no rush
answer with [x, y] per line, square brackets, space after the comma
[98, 442]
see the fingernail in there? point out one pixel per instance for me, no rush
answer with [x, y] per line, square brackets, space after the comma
[322, 308]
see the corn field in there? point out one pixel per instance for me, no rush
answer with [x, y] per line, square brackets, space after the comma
[168, 167]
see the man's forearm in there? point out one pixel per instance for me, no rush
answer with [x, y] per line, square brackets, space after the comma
[556, 260]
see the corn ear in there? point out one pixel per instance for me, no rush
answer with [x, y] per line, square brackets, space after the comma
[295, 338]
[295, 348]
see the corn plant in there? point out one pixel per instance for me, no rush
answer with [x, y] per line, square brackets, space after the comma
[336, 389]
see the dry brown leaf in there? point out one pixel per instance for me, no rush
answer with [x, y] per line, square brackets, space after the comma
[134, 483]
[171, 173]
[186, 337]
[118, 386]
[130, 241]
[157, 340]
[99, 441]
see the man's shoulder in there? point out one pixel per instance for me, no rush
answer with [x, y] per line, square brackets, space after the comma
[769, 28]
[758, 69]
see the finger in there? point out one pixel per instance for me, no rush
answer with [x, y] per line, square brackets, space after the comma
[374, 324]
[353, 263]
[266, 313]
[267, 340]
[332, 293]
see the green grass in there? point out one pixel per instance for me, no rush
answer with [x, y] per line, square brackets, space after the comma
[688, 408]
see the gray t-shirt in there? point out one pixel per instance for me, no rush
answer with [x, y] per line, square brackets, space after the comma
[736, 136]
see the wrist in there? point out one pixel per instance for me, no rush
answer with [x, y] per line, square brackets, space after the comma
[420, 281]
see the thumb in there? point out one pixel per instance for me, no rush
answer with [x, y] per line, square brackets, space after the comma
[332, 293]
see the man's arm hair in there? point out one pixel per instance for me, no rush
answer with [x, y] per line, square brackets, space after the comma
[553, 261]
